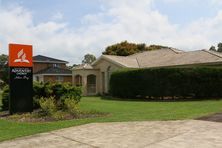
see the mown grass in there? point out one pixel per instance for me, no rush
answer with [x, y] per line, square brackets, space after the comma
[118, 111]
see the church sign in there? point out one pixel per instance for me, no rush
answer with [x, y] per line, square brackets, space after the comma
[21, 85]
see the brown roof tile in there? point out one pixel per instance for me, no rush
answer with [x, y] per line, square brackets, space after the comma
[165, 57]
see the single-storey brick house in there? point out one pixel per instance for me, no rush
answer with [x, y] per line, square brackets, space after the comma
[47, 69]
[95, 77]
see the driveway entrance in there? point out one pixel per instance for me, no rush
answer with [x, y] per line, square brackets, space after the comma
[153, 134]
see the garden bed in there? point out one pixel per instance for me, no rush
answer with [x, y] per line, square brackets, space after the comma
[39, 116]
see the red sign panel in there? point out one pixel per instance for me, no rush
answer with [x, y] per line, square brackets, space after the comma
[20, 55]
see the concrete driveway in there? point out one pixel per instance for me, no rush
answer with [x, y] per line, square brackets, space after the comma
[150, 134]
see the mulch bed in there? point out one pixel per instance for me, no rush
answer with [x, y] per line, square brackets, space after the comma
[4, 114]
[214, 118]
[36, 116]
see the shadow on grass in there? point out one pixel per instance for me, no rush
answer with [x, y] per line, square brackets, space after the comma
[165, 99]
[216, 117]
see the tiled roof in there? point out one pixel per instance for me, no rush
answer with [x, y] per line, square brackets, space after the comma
[41, 58]
[55, 70]
[123, 61]
[164, 57]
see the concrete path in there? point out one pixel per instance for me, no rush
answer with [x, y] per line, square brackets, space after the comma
[152, 134]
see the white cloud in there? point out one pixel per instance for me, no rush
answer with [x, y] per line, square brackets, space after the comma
[57, 16]
[172, 1]
[216, 2]
[135, 21]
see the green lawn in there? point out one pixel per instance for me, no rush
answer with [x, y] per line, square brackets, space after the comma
[118, 111]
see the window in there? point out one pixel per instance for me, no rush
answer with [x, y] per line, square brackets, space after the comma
[78, 80]
[56, 65]
[59, 78]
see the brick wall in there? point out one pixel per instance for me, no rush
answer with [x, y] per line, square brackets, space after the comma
[56, 79]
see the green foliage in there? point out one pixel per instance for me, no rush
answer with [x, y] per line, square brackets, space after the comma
[48, 105]
[5, 98]
[125, 48]
[88, 59]
[59, 91]
[71, 106]
[219, 47]
[60, 100]
[213, 48]
[73, 93]
[51, 108]
[4, 70]
[0, 100]
[2, 84]
[167, 82]
[59, 115]
[3, 59]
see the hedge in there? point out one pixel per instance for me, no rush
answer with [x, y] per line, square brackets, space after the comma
[167, 82]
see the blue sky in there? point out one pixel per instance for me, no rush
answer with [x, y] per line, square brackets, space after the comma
[68, 29]
[185, 11]
[71, 10]
[178, 11]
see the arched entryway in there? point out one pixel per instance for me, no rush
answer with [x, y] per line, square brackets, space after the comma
[91, 84]
[78, 80]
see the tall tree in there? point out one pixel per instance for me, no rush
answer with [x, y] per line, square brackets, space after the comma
[125, 48]
[88, 59]
[219, 47]
[213, 48]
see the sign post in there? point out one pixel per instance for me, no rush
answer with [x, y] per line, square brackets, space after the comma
[21, 84]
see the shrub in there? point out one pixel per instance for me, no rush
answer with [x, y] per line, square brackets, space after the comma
[50, 108]
[48, 105]
[2, 84]
[167, 82]
[59, 91]
[73, 94]
[5, 98]
[71, 106]
[59, 115]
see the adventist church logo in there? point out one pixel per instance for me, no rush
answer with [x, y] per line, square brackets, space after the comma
[20, 55]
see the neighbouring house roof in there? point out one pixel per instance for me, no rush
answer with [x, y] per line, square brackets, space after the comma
[54, 71]
[163, 58]
[166, 58]
[122, 61]
[45, 59]
[83, 66]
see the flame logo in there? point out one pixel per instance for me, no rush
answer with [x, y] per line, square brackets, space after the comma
[21, 57]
